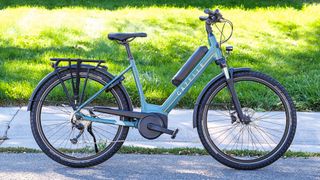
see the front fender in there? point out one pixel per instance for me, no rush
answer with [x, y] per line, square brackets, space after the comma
[61, 69]
[212, 82]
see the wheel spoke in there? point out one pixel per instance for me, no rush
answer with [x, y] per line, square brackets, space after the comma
[266, 117]
[229, 133]
[269, 122]
[55, 127]
[267, 133]
[238, 138]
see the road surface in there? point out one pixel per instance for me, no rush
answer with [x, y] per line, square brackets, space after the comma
[126, 166]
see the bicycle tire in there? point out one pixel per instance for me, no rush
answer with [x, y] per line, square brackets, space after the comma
[57, 155]
[225, 156]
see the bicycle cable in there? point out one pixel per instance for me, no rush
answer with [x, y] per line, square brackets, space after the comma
[224, 21]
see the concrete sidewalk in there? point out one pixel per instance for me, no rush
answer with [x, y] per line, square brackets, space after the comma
[307, 136]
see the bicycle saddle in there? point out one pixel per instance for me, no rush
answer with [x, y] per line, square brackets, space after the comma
[125, 36]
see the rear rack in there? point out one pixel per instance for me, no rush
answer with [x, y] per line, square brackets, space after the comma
[75, 66]
[78, 61]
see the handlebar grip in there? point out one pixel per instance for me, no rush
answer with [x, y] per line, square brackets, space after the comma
[203, 18]
[210, 12]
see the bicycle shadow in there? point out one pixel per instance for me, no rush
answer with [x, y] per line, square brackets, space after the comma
[148, 167]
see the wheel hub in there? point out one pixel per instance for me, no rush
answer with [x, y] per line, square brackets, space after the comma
[247, 116]
[78, 122]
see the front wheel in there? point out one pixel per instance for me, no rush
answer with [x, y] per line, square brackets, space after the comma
[260, 140]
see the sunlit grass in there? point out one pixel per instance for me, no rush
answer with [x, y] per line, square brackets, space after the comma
[280, 41]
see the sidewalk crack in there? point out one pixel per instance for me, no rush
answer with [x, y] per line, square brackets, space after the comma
[5, 137]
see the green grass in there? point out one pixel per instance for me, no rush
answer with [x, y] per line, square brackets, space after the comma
[279, 38]
[173, 151]
[115, 4]
[18, 150]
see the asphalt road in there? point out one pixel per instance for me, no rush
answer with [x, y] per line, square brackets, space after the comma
[38, 166]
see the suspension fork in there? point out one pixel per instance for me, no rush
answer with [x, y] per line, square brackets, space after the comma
[230, 83]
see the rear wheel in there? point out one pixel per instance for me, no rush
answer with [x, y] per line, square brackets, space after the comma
[252, 144]
[72, 142]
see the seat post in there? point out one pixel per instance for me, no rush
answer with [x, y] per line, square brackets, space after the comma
[126, 44]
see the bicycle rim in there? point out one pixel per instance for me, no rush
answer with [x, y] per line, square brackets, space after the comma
[261, 138]
[56, 129]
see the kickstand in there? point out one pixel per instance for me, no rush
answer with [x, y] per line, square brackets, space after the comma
[89, 129]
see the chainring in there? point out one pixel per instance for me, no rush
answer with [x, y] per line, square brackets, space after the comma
[148, 133]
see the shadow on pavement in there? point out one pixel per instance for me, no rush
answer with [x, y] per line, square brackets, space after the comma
[38, 166]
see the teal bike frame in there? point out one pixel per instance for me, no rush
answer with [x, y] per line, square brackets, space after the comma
[214, 53]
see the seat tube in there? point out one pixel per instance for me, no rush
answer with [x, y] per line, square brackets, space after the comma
[135, 74]
[130, 57]
[138, 84]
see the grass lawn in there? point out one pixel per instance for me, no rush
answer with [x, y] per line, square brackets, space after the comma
[278, 38]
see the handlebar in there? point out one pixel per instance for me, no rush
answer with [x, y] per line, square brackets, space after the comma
[214, 16]
[210, 12]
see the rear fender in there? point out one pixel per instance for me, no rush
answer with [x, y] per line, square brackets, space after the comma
[103, 70]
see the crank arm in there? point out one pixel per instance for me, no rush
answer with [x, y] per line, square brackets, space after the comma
[155, 127]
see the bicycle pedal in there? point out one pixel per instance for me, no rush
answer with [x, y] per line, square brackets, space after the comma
[4, 138]
[74, 140]
[175, 132]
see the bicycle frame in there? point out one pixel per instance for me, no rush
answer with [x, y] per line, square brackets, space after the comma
[214, 53]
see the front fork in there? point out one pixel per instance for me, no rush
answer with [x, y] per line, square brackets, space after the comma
[228, 73]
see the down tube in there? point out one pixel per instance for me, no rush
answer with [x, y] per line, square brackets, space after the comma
[178, 93]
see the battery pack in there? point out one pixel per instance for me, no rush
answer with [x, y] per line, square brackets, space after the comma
[189, 65]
